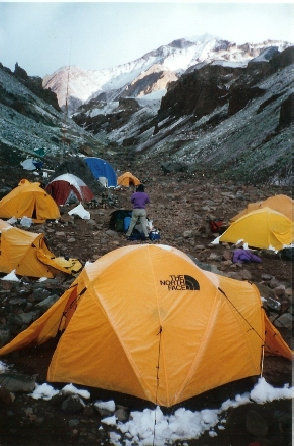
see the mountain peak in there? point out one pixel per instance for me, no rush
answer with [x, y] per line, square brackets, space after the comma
[176, 57]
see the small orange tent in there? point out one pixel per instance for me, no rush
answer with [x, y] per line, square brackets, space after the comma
[27, 254]
[280, 203]
[146, 321]
[128, 179]
[29, 200]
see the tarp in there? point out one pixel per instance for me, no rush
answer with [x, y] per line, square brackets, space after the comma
[264, 228]
[67, 187]
[27, 254]
[280, 203]
[29, 200]
[128, 179]
[145, 320]
[102, 169]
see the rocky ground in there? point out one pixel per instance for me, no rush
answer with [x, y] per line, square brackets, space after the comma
[180, 208]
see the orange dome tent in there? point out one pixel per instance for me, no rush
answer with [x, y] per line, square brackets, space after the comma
[145, 320]
[280, 203]
[27, 254]
[128, 179]
[29, 200]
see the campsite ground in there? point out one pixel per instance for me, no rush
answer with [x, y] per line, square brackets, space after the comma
[180, 207]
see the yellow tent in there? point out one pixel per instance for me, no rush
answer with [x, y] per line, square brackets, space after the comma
[280, 203]
[29, 200]
[27, 254]
[146, 321]
[128, 179]
[264, 228]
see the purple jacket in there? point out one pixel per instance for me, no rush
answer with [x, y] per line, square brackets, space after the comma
[245, 256]
[139, 200]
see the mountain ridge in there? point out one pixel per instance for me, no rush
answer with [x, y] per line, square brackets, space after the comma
[177, 56]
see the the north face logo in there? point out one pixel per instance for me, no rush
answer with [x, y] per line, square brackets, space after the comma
[181, 282]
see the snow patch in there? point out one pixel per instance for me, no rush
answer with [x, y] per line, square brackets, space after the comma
[11, 276]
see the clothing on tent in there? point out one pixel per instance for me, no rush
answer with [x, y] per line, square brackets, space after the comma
[29, 200]
[155, 326]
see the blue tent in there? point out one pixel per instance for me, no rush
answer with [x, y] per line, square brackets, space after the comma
[101, 168]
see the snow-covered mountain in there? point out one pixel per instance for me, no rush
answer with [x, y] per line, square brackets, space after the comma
[75, 86]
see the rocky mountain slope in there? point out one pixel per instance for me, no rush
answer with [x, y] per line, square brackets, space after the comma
[215, 119]
[32, 123]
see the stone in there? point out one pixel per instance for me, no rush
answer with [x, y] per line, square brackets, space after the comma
[285, 320]
[74, 422]
[266, 277]
[27, 318]
[288, 291]
[6, 397]
[280, 290]
[214, 256]
[112, 233]
[48, 302]
[17, 382]
[246, 274]
[273, 282]
[4, 336]
[256, 424]
[72, 404]
[199, 247]
[122, 413]
[227, 255]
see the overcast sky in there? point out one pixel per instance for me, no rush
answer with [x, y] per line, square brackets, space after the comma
[42, 37]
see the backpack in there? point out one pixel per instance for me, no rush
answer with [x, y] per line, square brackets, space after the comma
[116, 222]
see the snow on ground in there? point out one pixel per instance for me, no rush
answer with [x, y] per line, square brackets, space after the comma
[3, 367]
[11, 277]
[149, 427]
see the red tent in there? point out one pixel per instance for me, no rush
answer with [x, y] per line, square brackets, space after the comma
[67, 187]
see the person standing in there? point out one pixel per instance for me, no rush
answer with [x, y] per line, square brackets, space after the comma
[139, 199]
